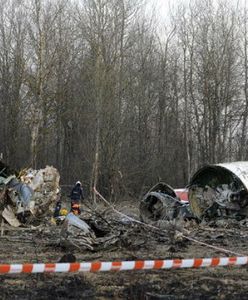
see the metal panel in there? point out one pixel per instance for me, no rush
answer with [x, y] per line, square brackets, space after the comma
[239, 168]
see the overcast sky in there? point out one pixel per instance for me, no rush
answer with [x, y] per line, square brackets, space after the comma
[162, 7]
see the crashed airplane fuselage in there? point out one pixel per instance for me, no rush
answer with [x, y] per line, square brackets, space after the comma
[220, 190]
[214, 191]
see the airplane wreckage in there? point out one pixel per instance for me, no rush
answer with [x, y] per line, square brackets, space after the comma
[214, 191]
[27, 194]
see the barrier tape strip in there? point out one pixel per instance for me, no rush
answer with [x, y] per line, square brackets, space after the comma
[123, 265]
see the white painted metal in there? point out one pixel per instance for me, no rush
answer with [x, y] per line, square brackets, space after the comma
[239, 168]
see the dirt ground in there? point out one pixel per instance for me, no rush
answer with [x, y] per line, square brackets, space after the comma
[37, 245]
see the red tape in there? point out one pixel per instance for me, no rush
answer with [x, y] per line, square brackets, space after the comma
[123, 265]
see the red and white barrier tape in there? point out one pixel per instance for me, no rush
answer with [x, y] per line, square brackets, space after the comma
[123, 265]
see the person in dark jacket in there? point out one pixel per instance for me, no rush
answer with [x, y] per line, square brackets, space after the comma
[76, 196]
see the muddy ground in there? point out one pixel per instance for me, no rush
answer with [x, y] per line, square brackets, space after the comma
[39, 244]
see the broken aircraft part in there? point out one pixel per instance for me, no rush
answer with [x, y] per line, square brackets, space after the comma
[220, 191]
[35, 192]
[45, 184]
[77, 222]
[10, 217]
[23, 192]
[162, 203]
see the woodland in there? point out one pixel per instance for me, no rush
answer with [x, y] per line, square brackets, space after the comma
[111, 95]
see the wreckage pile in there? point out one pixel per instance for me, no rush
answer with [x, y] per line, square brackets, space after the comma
[214, 192]
[45, 186]
[28, 194]
[29, 198]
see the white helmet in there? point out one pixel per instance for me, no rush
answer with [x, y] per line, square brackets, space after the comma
[78, 182]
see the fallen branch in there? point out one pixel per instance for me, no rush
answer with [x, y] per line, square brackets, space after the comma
[156, 228]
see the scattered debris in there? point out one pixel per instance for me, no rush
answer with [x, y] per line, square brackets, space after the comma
[73, 220]
[45, 184]
[215, 191]
[32, 193]
[75, 233]
[101, 233]
[10, 217]
[162, 203]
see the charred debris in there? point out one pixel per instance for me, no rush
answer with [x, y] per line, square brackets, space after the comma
[28, 195]
[215, 191]
[28, 199]
[162, 203]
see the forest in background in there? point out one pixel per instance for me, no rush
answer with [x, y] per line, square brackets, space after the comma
[93, 88]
